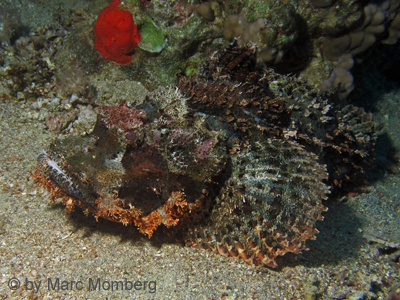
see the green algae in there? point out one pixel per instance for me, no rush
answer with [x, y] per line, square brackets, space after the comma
[153, 39]
[160, 69]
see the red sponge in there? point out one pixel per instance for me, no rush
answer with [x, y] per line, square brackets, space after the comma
[116, 35]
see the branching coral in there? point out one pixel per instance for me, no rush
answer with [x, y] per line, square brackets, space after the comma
[380, 18]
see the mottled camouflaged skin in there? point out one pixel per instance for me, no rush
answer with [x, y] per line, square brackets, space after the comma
[268, 206]
[243, 171]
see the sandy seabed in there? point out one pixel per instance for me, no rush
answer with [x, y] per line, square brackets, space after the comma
[46, 254]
